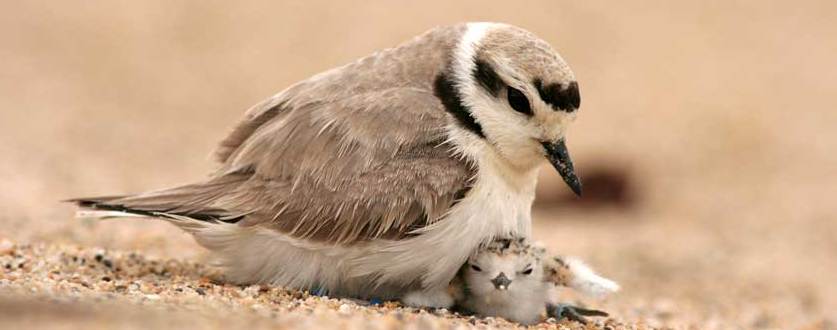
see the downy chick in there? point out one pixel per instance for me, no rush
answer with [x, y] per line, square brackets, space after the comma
[513, 279]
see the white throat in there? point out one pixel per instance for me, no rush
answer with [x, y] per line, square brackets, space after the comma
[502, 192]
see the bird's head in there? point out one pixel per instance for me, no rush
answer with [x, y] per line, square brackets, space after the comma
[515, 93]
[504, 267]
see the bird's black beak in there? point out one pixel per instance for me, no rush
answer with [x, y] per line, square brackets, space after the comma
[501, 282]
[559, 157]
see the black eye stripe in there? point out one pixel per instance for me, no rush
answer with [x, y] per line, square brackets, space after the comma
[518, 101]
[560, 98]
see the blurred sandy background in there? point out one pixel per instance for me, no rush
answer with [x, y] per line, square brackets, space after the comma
[716, 120]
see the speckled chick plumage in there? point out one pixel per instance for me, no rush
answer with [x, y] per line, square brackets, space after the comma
[516, 279]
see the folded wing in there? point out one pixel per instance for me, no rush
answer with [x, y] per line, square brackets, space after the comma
[372, 165]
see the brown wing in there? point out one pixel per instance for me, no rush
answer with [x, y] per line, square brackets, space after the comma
[372, 165]
[352, 154]
[364, 167]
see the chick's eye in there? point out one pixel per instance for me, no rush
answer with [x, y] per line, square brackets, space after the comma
[476, 268]
[527, 271]
[518, 101]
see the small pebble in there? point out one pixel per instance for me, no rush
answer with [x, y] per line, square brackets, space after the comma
[345, 309]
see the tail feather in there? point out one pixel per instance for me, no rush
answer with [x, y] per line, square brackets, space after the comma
[93, 214]
[92, 208]
[92, 201]
[203, 202]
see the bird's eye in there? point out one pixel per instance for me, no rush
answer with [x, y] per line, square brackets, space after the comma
[518, 101]
[527, 271]
[476, 268]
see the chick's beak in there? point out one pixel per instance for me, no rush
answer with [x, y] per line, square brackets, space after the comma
[501, 282]
[559, 157]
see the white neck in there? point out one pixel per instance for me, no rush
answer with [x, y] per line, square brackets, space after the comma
[507, 189]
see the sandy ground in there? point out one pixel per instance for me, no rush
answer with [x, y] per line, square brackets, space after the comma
[106, 289]
[707, 129]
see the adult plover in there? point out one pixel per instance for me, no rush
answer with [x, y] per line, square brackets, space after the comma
[381, 177]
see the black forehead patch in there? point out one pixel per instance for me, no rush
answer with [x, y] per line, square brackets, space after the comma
[564, 98]
[486, 76]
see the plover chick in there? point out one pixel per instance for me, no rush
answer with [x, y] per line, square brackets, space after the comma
[516, 280]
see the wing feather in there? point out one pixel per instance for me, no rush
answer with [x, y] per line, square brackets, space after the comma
[349, 155]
